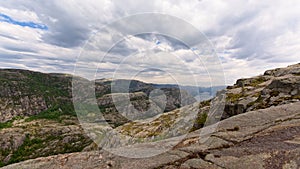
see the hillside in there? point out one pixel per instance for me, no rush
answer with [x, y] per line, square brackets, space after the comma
[28, 93]
[259, 128]
[275, 87]
[37, 116]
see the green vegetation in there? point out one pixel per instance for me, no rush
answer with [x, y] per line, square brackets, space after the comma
[296, 97]
[50, 114]
[26, 149]
[55, 90]
[274, 93]
[296, 74]
[6, 125]
[257, 81]
[204, 103]
[38, 146]
[234, 97]
[54, 113]
[200, 121]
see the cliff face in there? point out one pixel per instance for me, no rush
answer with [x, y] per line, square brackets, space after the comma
[25, 93]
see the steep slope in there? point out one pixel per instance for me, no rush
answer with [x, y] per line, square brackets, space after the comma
[26, 93]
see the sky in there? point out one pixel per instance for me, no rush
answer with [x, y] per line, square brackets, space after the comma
[247, 37]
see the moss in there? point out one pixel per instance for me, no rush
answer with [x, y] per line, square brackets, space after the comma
[204, 103]
[231, 97]
[257, 81]
[251, 104]
[152, 129]
[296, 97]
[6, 124]
[296, 74]
[274, 93]
[200, 121]
[236, 128]
[260, 103]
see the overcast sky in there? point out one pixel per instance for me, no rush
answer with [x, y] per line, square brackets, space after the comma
[248, 36]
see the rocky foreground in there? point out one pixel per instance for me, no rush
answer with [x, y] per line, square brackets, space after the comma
[268, 138]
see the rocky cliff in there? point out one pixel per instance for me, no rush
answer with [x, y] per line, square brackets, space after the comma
[25, 93]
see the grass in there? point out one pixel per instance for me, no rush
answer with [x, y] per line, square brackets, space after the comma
[6, 125]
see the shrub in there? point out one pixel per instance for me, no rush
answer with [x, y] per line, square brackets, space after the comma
[200, 121]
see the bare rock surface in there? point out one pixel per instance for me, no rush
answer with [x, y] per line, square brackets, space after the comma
[267, 138]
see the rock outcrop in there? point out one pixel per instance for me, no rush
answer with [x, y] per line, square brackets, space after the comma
[275, 87]
[27, 139]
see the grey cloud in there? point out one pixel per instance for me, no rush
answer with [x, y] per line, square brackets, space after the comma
[122, 49]
[8, 37]
[69, 30]
[241, 22]
[172, 41]
[19, 49]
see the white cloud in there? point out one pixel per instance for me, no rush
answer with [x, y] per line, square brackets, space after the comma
[249, 36]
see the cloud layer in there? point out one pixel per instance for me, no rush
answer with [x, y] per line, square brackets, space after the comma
[249, 36]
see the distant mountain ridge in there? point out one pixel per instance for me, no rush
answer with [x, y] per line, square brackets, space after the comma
[27, 93]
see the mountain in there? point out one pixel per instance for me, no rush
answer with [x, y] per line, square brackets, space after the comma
[257, 127]
[276, 87]
[28, 93]
[37, 117]
[200, 93]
